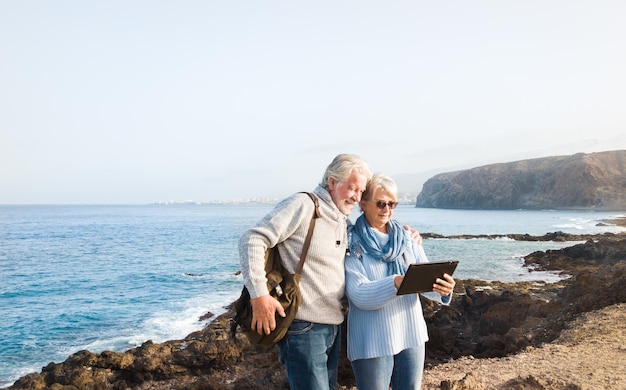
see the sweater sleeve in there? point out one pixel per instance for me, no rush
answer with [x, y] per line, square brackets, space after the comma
[363, 292]
[276, 227]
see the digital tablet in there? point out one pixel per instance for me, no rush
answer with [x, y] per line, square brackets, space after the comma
[421, 277]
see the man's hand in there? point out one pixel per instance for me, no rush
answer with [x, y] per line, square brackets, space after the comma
[415, 235]
[264, 309]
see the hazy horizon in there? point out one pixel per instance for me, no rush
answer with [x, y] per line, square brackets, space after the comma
[147, 101]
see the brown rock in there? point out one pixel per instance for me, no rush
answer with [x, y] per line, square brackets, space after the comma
[469, 382]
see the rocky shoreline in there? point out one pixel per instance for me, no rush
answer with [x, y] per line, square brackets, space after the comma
[486, 321]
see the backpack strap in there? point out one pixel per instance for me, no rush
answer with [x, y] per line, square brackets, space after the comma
[307, 241]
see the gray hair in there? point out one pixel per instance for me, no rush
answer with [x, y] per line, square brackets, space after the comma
[342, 166]
[380, 181]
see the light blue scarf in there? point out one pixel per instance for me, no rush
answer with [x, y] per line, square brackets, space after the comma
[391, 252]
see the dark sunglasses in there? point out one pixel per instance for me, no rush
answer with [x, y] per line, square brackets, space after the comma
[381, 204]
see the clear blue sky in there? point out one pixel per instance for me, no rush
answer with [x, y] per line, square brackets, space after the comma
[142, 101]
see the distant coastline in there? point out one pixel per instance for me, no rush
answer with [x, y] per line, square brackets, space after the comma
[217, 202]
[408, 199]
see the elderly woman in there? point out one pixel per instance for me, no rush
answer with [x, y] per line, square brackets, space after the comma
[386, 332]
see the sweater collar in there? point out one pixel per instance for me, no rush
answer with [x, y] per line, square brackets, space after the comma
[324, 197]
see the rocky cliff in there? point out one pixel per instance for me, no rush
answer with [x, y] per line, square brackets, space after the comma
[580, 181]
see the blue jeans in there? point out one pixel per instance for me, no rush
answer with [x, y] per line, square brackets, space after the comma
[310, 352]
[403, 371]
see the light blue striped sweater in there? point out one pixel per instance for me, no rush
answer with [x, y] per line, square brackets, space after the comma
[381, 323]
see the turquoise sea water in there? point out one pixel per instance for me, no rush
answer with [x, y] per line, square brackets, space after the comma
[111, 277]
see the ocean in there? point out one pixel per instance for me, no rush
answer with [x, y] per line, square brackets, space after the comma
[112, 277]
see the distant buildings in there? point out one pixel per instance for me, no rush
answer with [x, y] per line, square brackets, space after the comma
[261, 200]
[403, 198]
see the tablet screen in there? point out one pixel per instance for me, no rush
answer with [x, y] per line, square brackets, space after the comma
[421, 277]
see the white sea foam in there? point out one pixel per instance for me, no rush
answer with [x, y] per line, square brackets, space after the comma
[567, 226]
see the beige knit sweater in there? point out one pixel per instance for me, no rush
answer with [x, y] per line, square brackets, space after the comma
[323, 280]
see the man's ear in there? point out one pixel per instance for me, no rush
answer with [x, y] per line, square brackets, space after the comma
[332, 183]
